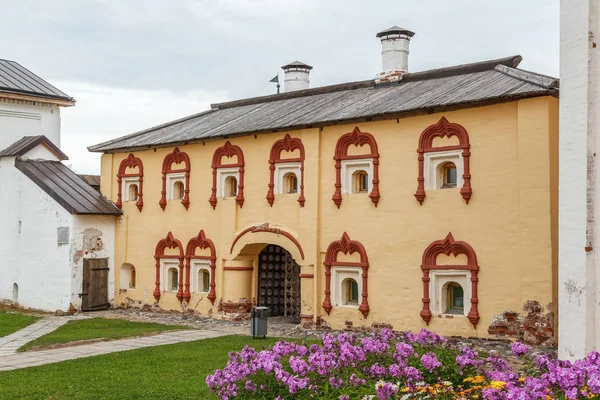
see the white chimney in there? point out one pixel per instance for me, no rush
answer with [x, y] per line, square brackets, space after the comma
[296, 76]
[394, 54]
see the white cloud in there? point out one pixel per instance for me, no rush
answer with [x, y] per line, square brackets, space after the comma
[103, 113]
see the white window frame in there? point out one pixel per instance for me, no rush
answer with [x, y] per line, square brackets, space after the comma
[197, 266]
[126, 184]
[349, 167]
[166, 265]
[433, 174]
[340, 274]
[281, 169]
[171, 179]
[222, 175]
[439, 278]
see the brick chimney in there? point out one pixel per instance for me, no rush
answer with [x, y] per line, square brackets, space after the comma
[296, 76]
[394, 54]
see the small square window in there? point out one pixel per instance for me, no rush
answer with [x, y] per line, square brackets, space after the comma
[286, 178]
[130, 189]
[176, 186]
[200, 276]
[291, 183]
[170, 276]
[357, 176]
[448, 175]
[347, 286]
[227, 182]
[449, 290]
[443, 170]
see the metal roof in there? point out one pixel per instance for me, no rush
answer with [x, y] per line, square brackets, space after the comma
[297, 64]
[92, 180]
[67, 188]
[26, 143]
[442, 89]
[395, 30]
[14, 78]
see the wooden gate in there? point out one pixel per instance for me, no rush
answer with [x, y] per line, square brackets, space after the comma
[94, 295]
[279, 282]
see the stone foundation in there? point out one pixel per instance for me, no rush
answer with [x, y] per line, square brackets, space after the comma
[537, 327]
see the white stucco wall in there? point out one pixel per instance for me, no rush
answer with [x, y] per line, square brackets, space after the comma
[32, 258]
[93, 236]
[20, 118]
[579, 191]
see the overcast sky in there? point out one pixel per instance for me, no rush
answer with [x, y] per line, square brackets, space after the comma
[133, 64]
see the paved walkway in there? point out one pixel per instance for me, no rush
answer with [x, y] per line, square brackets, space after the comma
[9, 344]
[35, 358]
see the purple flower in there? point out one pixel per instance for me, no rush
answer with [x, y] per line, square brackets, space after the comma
[519, 349]
[430, 362]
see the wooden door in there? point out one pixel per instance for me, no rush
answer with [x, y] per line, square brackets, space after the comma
[279, 283]
[94, 295]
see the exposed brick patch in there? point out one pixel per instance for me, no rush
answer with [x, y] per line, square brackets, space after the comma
[238, 311]
[537, 327]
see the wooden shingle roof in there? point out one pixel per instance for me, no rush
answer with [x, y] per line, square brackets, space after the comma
[462, 86]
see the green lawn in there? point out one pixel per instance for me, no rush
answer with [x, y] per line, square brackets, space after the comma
[13, 321]
[99, 329]
[176, 371]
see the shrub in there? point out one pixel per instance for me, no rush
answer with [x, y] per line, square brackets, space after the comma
[388, 365]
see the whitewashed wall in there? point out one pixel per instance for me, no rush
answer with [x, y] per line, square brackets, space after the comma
[93, 236]
[32, 258]
[579, 189]
[20, 118]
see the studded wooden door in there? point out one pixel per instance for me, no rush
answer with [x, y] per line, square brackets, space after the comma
[95, 284]
[279, 282]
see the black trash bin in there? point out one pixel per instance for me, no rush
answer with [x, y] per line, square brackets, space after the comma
[258, 321]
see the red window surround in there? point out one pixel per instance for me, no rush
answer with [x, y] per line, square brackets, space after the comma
[159, 253]
[285, 144]
[449, 246]
[130, 162]
[346, 246]
[217, 162]
[203, 243]
[444, 129]
[356, 138]
[176, 157]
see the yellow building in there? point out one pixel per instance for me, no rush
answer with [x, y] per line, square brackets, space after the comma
[413, 200]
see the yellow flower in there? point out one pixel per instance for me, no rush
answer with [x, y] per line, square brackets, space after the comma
[497, 384]
[478, 379]
[469, 379]
[521, 380]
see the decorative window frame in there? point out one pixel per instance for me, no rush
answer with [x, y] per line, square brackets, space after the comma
[347, 246]
[286, 144]
[340, 274]
[228, 150]
[445, 129]
[356, 138]
[130, 162]
[168, 242]
[282, 169]
[202, 242]
[449, 246]
[176, 157]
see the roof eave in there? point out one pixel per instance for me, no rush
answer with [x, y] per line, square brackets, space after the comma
[385, 116]
[26, 96]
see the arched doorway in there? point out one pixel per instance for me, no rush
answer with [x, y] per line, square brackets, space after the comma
[279, 282]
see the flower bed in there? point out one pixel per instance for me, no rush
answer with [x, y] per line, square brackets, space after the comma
[389, 365]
